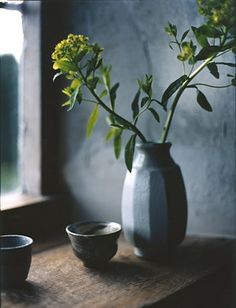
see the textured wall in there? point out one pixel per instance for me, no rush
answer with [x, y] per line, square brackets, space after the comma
[203, 143]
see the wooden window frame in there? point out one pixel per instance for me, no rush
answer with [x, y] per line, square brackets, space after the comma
[42, 208]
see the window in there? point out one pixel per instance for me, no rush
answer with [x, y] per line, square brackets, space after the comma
[40, 205]
[20, 100]
[11, 37]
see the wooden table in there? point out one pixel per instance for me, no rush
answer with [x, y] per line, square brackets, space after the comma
[199, 275]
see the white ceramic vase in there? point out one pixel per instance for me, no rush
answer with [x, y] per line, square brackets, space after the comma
[154, 205]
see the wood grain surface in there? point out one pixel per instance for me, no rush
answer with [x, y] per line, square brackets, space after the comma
[57, 278]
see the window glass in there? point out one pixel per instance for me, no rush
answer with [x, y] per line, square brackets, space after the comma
[11, 38]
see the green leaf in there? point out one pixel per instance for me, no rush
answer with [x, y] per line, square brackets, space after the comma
[111, 133]
[92, 82]
[134, 105]
[65, 66]
[155, 114]
[226, 63]
[203, 102]
[171, 29]
[91, 66]
[117, 143]
[99, 63]
[201, 38]
[76, 83]
[73, 98]
[173, 87]
[129, 152]
[67, 103]
[113, 95]
[56, 75]
[184, 35]
[105, 70]
[144, 100]
[146, 85]
[92, 120]
[209, 31]
[207, 52]
[103, 93]
[213, 69]
[67, 91]
[79, 96]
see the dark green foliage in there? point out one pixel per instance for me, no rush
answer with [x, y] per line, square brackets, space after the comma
[213, 69]
[207, 52]
[202, 101]
[201, 38]
[129, 152]
[117, 142]
[135, 105]
[184, 35]
[171, 29]
[173, 87]
[113, 95]
[155, 114]
[209, 31]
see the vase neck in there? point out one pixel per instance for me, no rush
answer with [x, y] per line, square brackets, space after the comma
[157, 154]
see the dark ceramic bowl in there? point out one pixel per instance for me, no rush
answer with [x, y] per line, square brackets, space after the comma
[95, 243]
[15, 259]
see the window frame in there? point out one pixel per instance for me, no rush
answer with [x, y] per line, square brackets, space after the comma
[31, 101]
[43, 195]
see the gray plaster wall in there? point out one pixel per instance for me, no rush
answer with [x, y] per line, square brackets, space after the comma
[132, 33]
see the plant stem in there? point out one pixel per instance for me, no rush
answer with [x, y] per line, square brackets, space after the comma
[130, 126]
[177, 97]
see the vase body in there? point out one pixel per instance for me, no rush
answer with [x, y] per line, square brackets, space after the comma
[154, 205]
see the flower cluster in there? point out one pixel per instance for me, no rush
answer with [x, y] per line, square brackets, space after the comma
[218, 12]
[70, 51]
[69, 48]
[187, 52]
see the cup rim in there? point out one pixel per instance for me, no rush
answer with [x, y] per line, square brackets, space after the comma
[69, 232]
[29, 241]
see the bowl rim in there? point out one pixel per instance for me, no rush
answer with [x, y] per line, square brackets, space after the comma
[29, 241]
[69, 232]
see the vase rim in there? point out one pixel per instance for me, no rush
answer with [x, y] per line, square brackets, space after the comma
[150, 144]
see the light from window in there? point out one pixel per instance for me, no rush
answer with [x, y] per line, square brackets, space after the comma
[11, 38]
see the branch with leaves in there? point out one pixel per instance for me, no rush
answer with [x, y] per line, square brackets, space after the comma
[81, 63]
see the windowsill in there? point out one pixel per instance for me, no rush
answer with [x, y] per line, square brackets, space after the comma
[16, 200]
[40, 217]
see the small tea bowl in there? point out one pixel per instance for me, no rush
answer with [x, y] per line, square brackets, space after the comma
[15, 259]
[95, 243]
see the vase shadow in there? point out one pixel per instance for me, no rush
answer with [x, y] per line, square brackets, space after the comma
[124, 272]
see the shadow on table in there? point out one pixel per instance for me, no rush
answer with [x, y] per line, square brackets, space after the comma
[124, 272]
[28, 293]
